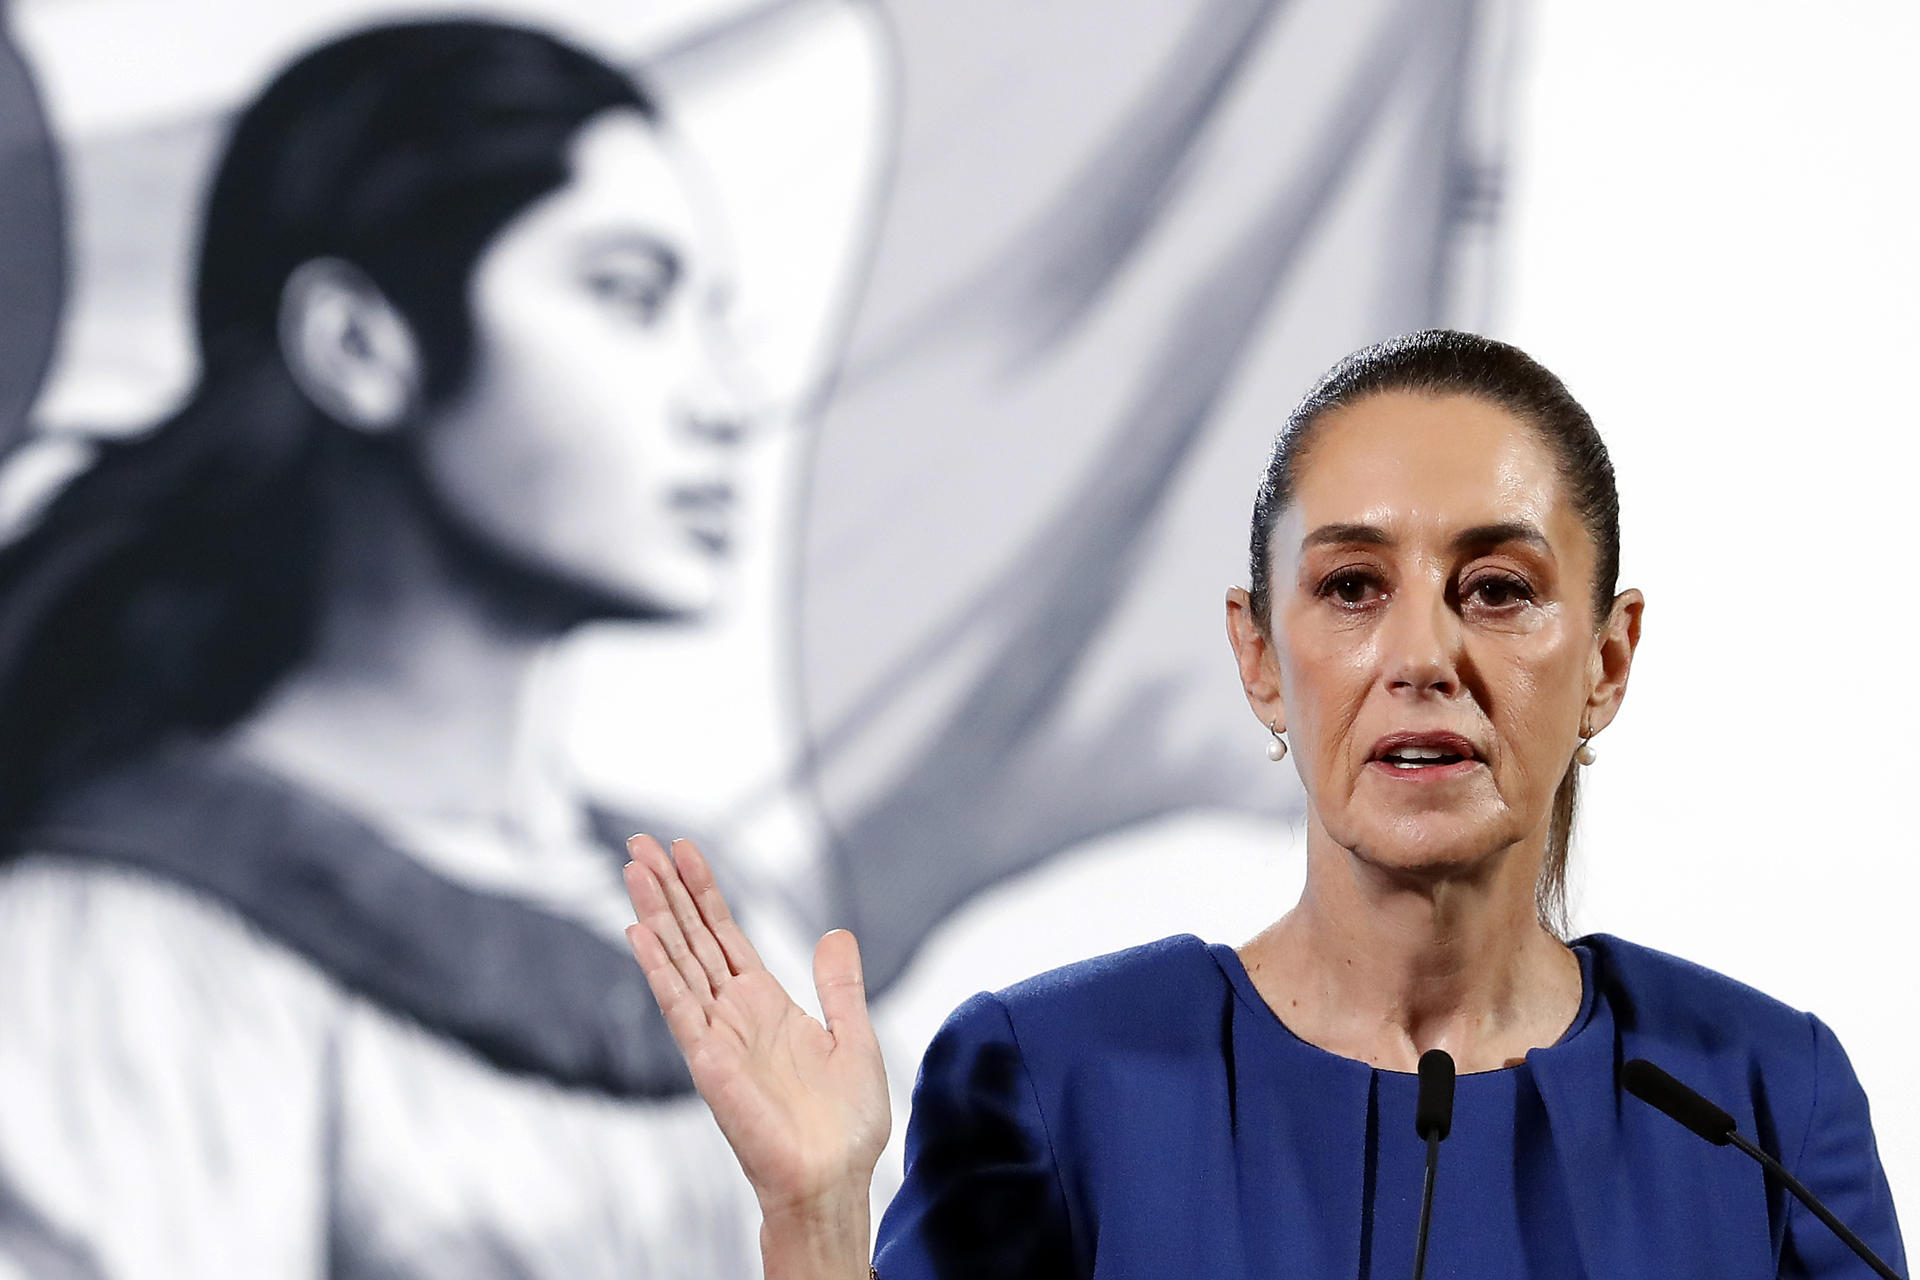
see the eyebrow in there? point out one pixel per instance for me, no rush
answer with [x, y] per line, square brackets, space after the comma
[1481, 536]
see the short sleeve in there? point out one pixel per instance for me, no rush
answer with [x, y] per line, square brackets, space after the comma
[1840, 1163]
[982, 1196]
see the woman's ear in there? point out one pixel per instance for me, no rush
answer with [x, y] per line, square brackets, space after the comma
[1613, 658]
[1253, 653]
[349, 350]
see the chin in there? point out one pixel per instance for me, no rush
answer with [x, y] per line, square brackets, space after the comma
[687, 593]
[555, 597]
[1429, 843]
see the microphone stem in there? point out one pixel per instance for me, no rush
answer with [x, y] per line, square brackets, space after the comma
[1806, 1198]
[1426, 1206]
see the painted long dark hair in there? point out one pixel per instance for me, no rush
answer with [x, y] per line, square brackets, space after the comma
[171, 585]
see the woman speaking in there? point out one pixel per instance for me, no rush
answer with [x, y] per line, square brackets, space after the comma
[1434, 637]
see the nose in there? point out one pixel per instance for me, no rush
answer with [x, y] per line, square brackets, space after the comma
[724, 400]
[1421, 642]
[718, 410]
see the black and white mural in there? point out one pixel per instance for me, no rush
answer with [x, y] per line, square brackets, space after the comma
[442, 441]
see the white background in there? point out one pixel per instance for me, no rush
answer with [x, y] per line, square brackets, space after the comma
[1713, 238]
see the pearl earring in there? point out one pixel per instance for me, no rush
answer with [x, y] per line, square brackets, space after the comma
[1586, 754]
[1277, 745]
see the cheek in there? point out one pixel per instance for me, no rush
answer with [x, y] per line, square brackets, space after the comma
[542, 457]
[1534, 703]
[1325, 684]
[572, 406]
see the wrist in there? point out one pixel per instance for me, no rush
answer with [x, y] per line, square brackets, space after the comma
[827, 1237]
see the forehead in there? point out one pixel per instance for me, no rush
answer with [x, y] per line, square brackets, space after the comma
[1411, 463]
[628, 178]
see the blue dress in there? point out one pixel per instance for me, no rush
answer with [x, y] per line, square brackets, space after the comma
[1146, 1115]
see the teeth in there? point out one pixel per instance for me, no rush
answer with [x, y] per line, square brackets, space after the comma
[1415, 757]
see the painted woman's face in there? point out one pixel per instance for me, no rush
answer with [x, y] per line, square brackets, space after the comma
[593, 438]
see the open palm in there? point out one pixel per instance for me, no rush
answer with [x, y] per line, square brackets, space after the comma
[803, 1105]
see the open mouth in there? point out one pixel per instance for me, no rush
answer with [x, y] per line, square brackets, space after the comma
[1421, 757]
[707, 513]
[1430, 753]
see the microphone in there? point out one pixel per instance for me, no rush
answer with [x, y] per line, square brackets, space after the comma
[1652, 1085]
[1433, 1121]
[1655, 1087]
[1433, 1111]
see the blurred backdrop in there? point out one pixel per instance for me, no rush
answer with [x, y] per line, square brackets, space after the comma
[837, 449]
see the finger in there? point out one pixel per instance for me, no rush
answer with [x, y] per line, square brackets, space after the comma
[842, 987]
[686, 1019]
[641, 851]
[699, 936]
[693, 931]
[653, 909]
[698, 876]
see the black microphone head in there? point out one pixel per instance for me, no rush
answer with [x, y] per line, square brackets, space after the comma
[1652, 1085]
[1433, 1111]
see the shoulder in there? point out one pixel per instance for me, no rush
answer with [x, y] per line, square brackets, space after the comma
[1688, 1007]
[1779, 1070]
[1758, 1056]
[1162, 998]
[1013, 1102]
[1156, 990]
[1171, 965]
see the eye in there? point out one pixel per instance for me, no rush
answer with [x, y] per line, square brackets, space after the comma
[1498, 591]
[639, 296]
[634, 278]
[1350, 588]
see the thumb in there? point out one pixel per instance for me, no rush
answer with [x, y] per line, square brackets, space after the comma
[841, 986]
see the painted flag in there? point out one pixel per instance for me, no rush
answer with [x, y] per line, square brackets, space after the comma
[1119, 243]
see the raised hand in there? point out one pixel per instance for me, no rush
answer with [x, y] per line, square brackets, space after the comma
[804, 1106]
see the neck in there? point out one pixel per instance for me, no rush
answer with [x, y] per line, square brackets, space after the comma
[410, 701]
[1381, 966]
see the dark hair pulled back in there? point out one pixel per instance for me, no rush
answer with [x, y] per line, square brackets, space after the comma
[1446, 362]
[170, 585]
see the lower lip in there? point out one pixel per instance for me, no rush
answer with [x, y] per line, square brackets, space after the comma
[709, 524]
[1425, 772]
[715, 540]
